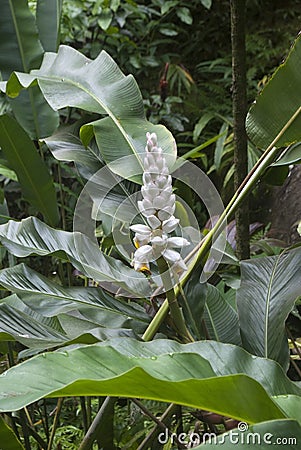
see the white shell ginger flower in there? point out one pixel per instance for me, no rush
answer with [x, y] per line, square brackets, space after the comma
[158, 206]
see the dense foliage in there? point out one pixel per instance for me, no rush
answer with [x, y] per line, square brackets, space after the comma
[194, 342]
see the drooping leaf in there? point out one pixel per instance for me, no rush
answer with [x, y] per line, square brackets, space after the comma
[261, 436]
[33, 175]
[65, 145]
[220, 318]
[27, 329]
[72, 324]
[277, 103]
[269, 288]
[26, 282]
[31, 236]
[181, 377]
[8, 439]
[225, 359]
[68, 78]
[48, 22]
[21, 50]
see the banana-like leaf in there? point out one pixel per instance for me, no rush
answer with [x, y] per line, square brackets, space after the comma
[37, 332]
[28, 284]
[291, 405]
[32, 236]
[48, 22]
[21, 50]
[225, 359]
[277, 103]
[269, 288]
[280, 433]
[220, 318]
[31, 330]
[65, 145]
[8, 439]
[68, 78]
[193, 304]
[24, 159]
[182, 377]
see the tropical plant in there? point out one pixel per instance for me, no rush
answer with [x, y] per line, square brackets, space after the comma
[96, 340]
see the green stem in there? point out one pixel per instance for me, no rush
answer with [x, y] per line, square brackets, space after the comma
[55, 422]
[201, 250]
[106, 409]
[174, 308]
[156, 322]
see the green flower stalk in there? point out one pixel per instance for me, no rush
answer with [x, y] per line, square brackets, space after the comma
[153, 241]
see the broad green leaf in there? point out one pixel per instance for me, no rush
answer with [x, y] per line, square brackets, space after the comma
[68, 78]
[33, 237]
[19, 44]
[194, 299]
[181, 377]
[269, 288]
[33, 175]
[225, 359]
[65, 145]
[24, 281]
[8, 439]
[28, 329]
[277, 103]
[21, 50]
[261, 436]
[85, 325]
[291, 405]
[221, 320]
[48, 22]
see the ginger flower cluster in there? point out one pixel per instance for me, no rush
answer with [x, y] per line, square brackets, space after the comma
[158, 206]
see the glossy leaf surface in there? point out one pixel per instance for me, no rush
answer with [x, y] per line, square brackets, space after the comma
[68, 78]
[277, 103]
[179, 376]
[269, 288]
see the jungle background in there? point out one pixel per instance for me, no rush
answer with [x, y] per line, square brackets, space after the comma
[180, 54]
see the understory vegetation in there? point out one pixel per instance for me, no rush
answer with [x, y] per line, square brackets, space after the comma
[145, 302]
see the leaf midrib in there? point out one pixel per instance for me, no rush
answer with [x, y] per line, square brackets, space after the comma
[267, 308]
[102, 105]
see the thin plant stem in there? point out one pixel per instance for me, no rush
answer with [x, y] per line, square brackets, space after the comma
[166, 416]
[55, 422]
[155, 419]
[84, 413]
[92, 433]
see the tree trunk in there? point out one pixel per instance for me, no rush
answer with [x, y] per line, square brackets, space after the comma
[239, 97]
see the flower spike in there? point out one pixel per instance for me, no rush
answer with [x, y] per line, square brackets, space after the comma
[158, 207]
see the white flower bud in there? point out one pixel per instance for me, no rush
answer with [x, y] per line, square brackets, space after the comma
[158, 206]
[154, 222]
